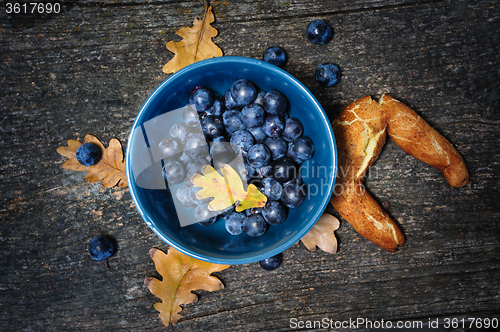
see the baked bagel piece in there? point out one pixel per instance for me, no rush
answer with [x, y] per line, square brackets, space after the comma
[417, 138]
[360, 132]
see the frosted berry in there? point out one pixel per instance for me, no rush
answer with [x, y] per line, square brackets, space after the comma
[100, 248]
[319, 32]
[327, 74]
[271, 263]
[88, 154]
[275, 56]
[202, 99]
[243, 92]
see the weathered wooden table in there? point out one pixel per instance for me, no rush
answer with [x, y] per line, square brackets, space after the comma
[89, 68]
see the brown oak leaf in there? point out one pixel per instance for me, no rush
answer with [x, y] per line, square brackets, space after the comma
[110, 169]
[181, 275]
[196, 43]
[322, 234]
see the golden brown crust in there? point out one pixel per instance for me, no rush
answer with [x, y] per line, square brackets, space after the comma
[415, 136]
[355, 126]
[360, 132]
[367, 217]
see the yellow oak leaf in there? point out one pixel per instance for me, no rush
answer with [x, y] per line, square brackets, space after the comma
[196, 43]
[226, 189]
[322, 234]
[181, 275]
[110, 169]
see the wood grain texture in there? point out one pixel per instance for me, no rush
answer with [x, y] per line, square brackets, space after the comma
[88, 70]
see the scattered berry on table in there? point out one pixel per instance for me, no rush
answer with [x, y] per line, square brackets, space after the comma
[202, 99]
[327, 74]
[319, 32]
[271, 263]
[101, 247]
[88, 154]
[275, 56]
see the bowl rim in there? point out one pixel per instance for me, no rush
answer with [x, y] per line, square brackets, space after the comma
[252, 258]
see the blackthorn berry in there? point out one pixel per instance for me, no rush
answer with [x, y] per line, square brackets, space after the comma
[88, 154]
[319, 32]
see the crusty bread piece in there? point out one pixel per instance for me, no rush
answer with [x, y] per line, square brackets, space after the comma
[360, 132]
[415, 136]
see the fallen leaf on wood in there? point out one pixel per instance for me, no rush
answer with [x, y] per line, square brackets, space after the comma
[226, 189]
[322, 234]
[196, 43]
[110, 169]
[181, 275]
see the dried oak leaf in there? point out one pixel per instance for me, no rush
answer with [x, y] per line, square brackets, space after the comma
[181, 275]
[322, 234]
[226, 189]
[196, 43]
[110, 169]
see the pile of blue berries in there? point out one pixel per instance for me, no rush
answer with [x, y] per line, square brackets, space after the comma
[246, 122]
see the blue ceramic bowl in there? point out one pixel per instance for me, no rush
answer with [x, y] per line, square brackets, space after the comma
[213, 243]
